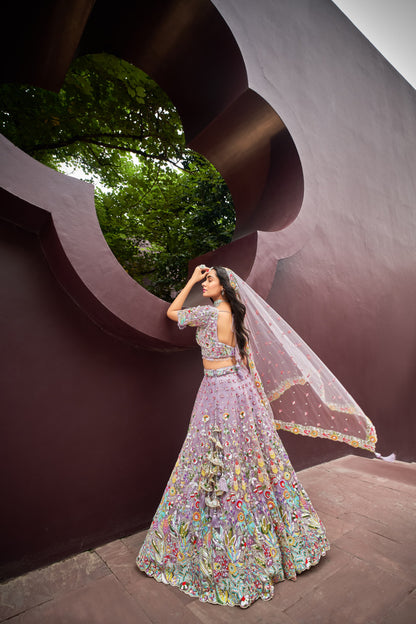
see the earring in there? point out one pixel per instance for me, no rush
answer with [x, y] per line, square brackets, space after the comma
[222, 292]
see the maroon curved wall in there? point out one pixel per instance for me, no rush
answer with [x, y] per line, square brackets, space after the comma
[94, 412]
[350, 290]
[92, 424]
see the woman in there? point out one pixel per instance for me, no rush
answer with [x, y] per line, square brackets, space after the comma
[234, 519]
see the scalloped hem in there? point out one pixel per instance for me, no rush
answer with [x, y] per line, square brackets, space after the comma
[245, 602]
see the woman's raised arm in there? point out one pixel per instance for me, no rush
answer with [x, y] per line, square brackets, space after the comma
[177, 304]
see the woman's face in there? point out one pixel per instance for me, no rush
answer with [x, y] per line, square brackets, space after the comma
[211, 286]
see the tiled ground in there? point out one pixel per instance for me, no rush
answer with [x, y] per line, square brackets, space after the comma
[368, 577]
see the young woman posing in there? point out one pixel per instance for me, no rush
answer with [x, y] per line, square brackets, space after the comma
[234, 519]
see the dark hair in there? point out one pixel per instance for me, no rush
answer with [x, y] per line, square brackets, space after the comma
[238, 309]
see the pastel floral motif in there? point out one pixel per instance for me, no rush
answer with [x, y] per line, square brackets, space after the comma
[233, 518]
[232, 568]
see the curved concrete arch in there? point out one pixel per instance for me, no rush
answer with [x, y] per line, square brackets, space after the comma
[227, 122]
[61, 210]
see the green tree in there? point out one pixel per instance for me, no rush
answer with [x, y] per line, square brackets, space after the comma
[158, 203]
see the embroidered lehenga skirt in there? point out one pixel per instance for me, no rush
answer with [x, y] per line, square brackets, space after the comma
[233, 519]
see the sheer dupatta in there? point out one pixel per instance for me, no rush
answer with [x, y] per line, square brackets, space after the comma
[306, 398]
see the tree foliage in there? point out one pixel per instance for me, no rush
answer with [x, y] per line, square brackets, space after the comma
[158, 203]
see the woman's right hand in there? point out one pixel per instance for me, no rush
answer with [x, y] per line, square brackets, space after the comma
[176, 305]
[199, 273]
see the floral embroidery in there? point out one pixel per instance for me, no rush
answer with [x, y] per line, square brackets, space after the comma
[205, 319]
[332, 435]
[233, 518]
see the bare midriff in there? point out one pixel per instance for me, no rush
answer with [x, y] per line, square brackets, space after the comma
[214, 364]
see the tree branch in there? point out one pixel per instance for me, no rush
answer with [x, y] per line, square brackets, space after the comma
[90, 139]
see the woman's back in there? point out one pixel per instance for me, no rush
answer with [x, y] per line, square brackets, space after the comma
[225, 328]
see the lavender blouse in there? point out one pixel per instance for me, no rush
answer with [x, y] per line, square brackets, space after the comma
[204, 318]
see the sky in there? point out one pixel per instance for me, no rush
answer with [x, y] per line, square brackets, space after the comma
[390, 25]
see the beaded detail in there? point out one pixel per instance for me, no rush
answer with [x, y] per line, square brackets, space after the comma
[205, 319]
[218, 372]
[234, 518]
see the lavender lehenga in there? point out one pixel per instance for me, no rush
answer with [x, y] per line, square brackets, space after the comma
[234, 518]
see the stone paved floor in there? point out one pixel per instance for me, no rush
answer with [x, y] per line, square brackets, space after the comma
[369, 576]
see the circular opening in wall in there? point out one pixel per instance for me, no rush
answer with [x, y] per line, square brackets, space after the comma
[187, 47]
[158, 202]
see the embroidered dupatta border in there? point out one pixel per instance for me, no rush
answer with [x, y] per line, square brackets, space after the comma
[368, 443]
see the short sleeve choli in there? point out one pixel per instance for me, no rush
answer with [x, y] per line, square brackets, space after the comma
[195, 317]
[204, 318]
